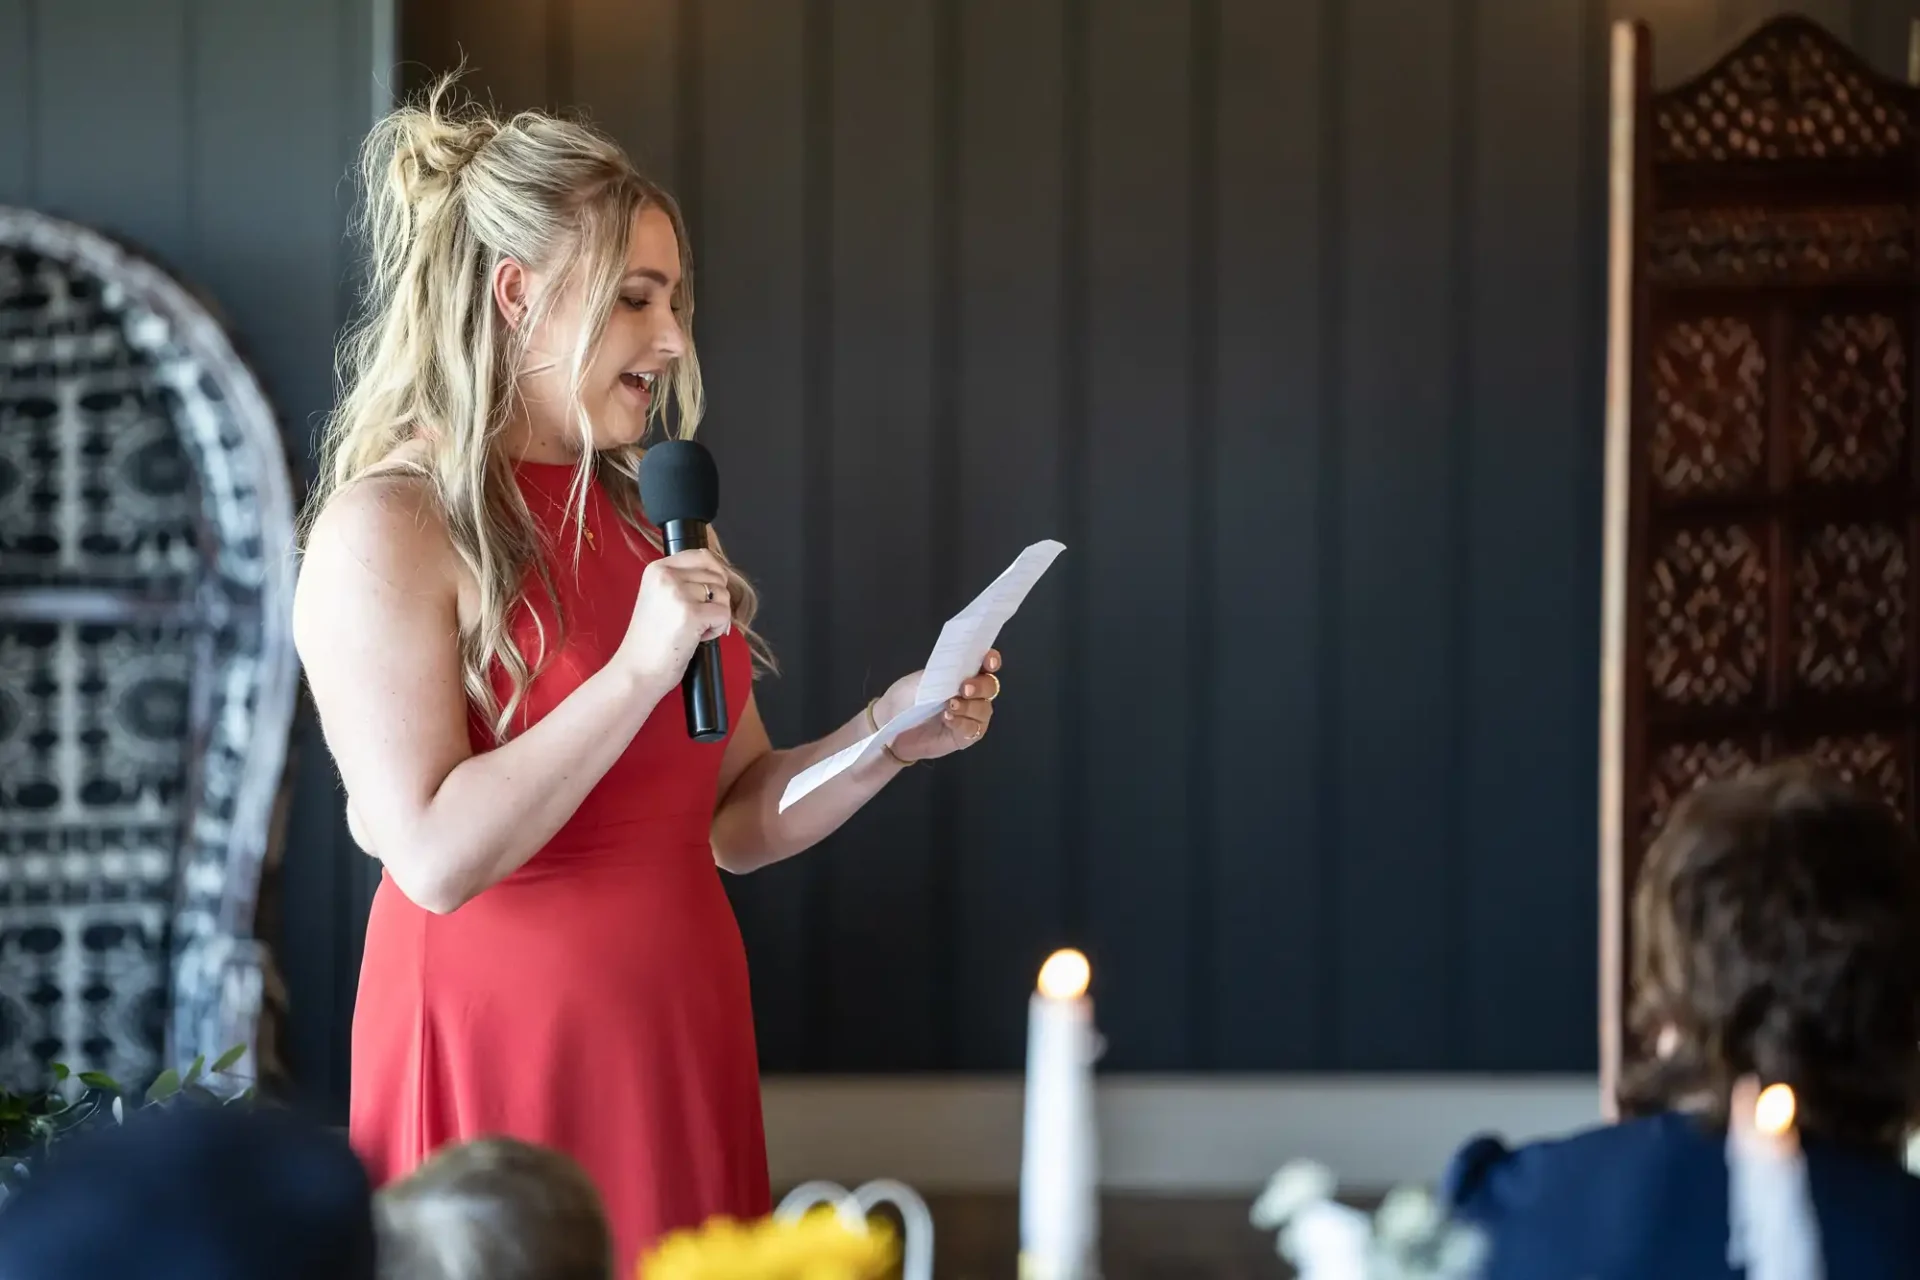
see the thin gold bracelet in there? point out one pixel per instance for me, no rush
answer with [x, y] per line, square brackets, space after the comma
[886, 746]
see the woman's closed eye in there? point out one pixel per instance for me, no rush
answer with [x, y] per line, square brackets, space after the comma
[641, 301]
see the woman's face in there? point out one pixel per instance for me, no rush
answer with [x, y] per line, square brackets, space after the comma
[642, 338]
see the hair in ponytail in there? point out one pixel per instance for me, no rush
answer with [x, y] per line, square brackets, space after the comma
[450, 191]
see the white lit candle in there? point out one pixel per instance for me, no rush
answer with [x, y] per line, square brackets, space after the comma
[1773, 1229]
[1059, 1204]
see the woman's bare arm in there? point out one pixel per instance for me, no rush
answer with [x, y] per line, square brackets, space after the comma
[376, 620]
[749, 831]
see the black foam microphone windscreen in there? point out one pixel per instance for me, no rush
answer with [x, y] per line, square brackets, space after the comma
[680, 494]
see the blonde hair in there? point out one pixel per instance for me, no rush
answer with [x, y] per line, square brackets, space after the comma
[494, 1209]
[450, 191]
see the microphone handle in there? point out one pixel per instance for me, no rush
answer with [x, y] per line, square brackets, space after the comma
[703, 690]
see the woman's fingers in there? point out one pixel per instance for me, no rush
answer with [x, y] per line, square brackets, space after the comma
[968, 717]
[700, 560]
[985, 687]
[697, 571]
[707, 601]
[699, 577]
[969, 714]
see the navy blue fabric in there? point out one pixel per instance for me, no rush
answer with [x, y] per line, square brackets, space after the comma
[205, 1192]
[1648, 1199]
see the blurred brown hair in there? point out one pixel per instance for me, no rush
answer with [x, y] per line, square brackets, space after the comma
[1776, 931]
[494, 1209]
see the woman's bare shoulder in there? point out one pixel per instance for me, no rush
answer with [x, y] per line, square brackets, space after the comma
[385, 520]
[380, 542]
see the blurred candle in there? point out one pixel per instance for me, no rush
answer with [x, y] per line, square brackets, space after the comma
[1773, 1110]
[1773, 1229]
[1059, 1178]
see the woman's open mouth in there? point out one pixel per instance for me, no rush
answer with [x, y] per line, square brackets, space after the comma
[639, 386]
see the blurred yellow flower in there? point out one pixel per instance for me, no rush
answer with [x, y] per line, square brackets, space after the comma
[817, 1246]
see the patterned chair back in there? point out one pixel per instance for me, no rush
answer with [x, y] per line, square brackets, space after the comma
[147, 674]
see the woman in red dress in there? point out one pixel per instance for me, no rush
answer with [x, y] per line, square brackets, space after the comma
[495, 642]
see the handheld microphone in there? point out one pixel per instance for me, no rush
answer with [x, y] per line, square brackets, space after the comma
[680, 494]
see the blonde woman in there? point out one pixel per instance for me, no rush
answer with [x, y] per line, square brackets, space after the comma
[494, 642]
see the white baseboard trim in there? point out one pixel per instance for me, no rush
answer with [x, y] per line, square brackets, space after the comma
[1169, 1135]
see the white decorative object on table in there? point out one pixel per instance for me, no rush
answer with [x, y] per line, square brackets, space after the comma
[1324, 1239]
[854, 1207]
[1059, 1159]
[1408, 1238]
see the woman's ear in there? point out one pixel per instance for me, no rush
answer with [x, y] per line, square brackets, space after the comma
[510, 289]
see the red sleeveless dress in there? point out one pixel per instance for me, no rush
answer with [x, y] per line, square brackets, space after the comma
[596, 1000]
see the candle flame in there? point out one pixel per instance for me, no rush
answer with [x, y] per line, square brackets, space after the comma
[1065, 975]
[1773, 1112]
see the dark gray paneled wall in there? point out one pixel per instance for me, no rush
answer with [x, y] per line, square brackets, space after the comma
[214, 135]
[1285, 316]
[1288, 320]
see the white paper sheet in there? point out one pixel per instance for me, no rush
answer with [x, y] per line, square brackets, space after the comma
[957, 654]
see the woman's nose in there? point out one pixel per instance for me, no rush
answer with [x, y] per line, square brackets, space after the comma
[669, 340]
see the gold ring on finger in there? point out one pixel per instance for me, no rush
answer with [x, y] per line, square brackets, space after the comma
[996, 686]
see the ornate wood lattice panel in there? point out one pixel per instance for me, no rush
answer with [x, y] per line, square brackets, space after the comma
[1763, 496]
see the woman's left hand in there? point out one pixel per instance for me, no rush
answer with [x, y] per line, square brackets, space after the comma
[963, 722]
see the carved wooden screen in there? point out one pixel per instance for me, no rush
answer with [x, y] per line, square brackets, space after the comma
[1761, 475]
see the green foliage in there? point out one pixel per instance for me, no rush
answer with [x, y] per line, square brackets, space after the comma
[33, 1123]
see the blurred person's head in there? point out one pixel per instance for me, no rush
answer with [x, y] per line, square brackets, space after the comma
[530, 297]
[1777, 934]
[494, 1209]
[193, 1192]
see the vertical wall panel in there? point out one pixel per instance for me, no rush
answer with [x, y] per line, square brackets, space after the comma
[815, 692]
[880, 971]
[1269, 495]
[19, 50]
[259, 191]
[505, 45]
[749, 319]
[427, 43]
[269, 207]
[1009, 903]
[118, 161]
[624, 73]
[1882, 30]
[370, 81]
[1399, 580]
[1134, 654]
[1532, 443]
[318, 903]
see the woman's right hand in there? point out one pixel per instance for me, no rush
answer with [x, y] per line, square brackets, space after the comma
[683, 600]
